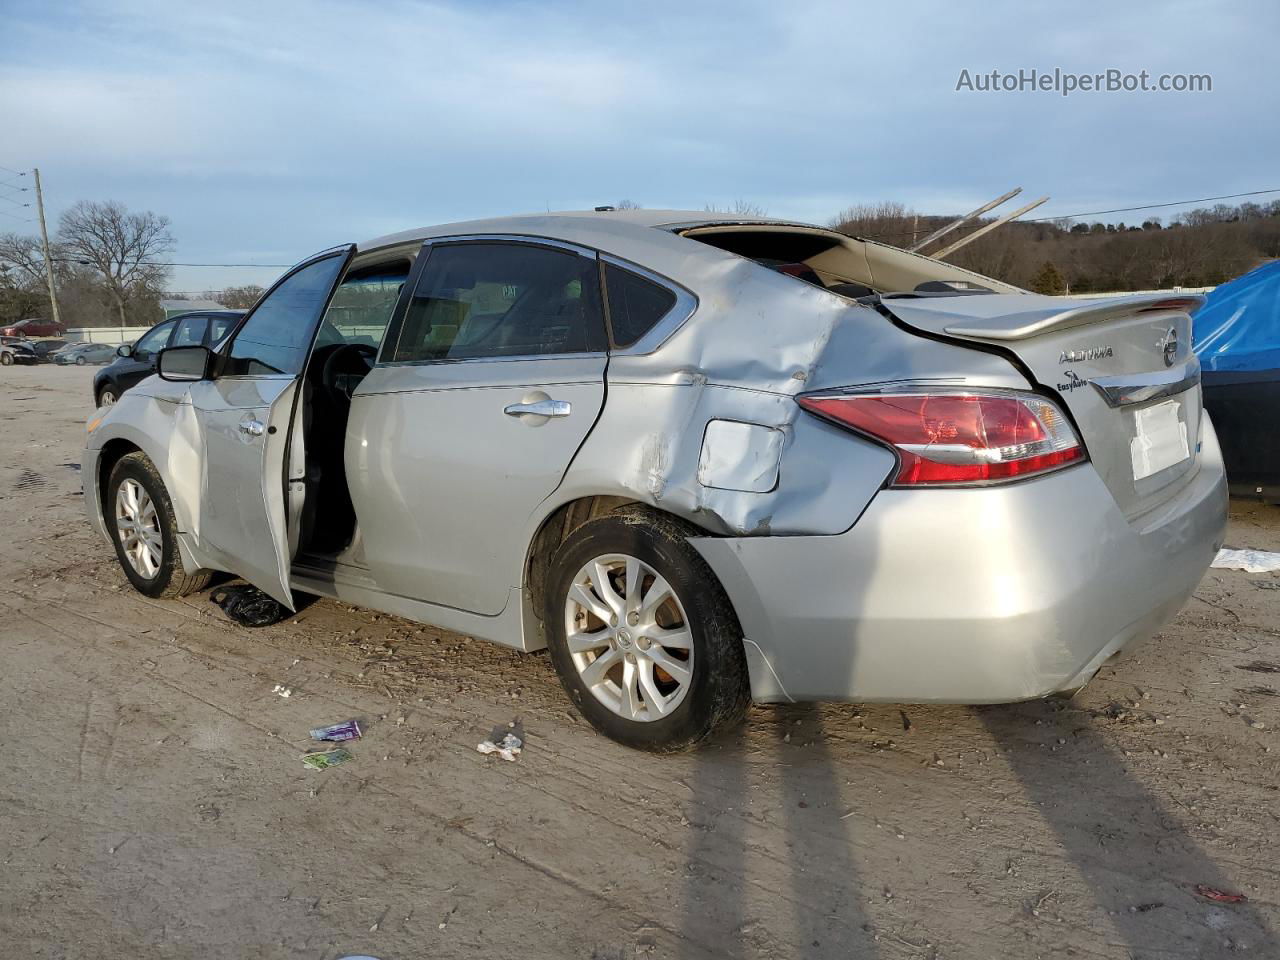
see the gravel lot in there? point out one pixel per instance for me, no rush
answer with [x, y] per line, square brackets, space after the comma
[154, 805]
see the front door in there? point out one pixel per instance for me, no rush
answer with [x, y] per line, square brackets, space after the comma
[480, 400]
[244, 414]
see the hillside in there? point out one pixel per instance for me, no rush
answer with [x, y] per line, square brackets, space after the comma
[1204, 247]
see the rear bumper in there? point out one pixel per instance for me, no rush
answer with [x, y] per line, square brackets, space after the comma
[969, 596]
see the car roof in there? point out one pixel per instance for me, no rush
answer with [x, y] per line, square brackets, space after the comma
[581, 226]
[225, 312]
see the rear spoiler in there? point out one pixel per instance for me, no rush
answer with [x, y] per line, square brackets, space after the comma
[1021, 325]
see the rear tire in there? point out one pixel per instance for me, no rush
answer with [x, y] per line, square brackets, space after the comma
[139, 516]
[647, 697]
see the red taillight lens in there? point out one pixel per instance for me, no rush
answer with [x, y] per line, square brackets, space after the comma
[958, 438]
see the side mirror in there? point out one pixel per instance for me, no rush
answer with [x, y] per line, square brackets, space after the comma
[124, 350]
[184, 364]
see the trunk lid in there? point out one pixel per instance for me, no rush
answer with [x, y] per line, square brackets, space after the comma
[1122, 366]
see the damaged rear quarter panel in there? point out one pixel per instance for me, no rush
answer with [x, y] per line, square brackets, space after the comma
[757, 340]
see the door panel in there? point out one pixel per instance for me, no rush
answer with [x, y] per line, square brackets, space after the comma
[444, 481]
[244, 416]
[244, 424]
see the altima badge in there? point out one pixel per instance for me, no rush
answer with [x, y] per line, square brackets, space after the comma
[1100, 352]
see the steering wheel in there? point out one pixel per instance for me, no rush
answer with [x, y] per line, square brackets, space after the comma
[345, 367]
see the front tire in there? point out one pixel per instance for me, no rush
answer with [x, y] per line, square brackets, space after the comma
[139, 515]
[81, 361]
[107, 397]
[6, 359]
[643, 636]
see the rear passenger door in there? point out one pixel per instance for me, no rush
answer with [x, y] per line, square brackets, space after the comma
[486, 386]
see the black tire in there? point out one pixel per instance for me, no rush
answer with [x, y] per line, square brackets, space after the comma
[6, 359]
[170, 580]
[81, 361]
[105, 392]
[718, 693]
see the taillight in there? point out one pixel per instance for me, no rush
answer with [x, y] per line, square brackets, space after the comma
[958, 437]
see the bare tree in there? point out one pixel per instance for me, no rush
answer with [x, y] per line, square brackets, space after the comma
[239, 298]
[123, 247]
[628, 205]
[887, 221]
[739, 208]
[21, 259]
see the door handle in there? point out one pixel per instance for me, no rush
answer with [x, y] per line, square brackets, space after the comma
[253, 428]
[539, 408]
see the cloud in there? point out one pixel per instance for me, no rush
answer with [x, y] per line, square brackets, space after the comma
[295, 125]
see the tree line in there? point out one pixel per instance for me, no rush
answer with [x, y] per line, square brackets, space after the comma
[1204, 247]
[110, 264]
[107, 264]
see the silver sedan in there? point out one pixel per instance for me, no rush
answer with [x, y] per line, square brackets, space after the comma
[702, 460]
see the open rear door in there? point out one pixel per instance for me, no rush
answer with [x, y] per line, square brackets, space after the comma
[244, 415]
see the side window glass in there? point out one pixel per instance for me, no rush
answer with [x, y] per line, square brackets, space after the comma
[362, 305]
[190, 331]
[277, 335]
[153, 341]
[476, 300]
[218, 327]
[635, 304]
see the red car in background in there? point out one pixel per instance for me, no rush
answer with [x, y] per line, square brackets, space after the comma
[32, 327]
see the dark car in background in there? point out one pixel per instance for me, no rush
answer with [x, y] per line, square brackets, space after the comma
[45, 349]
[137, 361]
[32, 327]
[85, 353]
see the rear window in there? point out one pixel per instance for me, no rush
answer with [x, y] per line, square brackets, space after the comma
[502, 299]
[635, 304]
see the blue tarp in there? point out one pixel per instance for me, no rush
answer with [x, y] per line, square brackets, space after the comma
[1238, 328]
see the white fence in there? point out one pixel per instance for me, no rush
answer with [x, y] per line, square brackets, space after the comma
[105, 334]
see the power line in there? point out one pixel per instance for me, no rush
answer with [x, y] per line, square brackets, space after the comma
[16, 173]
[158, 263]
[1155, 206]
[12, 216]
[1099, 213]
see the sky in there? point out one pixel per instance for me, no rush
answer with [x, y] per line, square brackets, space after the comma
[268, 130]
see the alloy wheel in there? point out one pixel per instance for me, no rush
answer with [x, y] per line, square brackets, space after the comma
[628, 637]
[106, 398]
[138, 526]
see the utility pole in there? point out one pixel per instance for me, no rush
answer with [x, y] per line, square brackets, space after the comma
[48, 259]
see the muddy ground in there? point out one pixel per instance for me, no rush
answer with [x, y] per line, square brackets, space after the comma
[152, 802]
